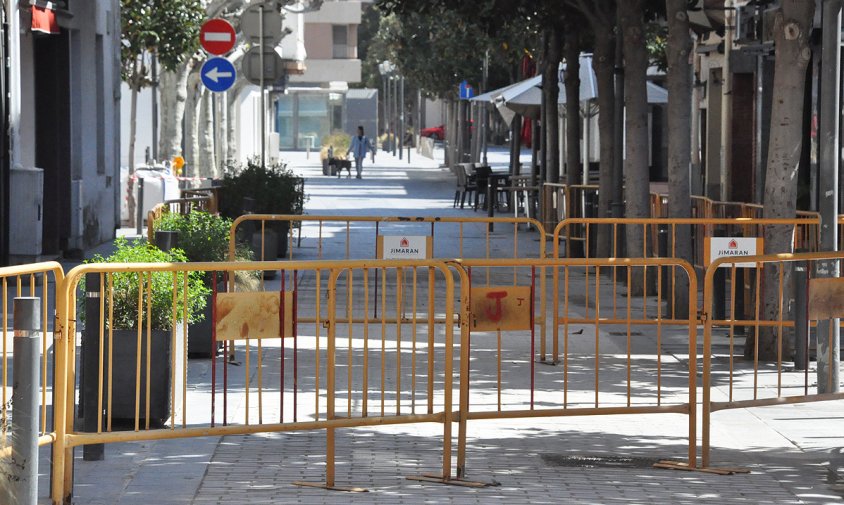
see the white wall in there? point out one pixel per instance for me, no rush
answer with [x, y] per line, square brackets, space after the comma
[143, 135]
[433, 113]
[347, 12]
[94, 124]
[325, 71]
[249, 127]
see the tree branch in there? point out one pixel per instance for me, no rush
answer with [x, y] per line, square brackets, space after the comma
[588, 11]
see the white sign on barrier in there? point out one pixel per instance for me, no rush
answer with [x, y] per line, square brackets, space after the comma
[404, 247]
[721, 247]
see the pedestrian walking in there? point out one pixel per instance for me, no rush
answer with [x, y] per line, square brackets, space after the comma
[360, 146]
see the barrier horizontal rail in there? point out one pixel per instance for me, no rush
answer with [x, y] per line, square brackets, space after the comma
[760, 377]
[320, 326]
[580, 386]
[450, 237]
[748, 227]
[32, 280]
[660, 237]
[563, 201]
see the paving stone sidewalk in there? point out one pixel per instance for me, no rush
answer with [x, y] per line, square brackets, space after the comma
[793, 451]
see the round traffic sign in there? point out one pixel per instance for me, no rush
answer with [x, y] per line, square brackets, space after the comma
[217, 74]
[217, 36]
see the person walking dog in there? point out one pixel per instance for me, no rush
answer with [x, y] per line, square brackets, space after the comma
[360, 146]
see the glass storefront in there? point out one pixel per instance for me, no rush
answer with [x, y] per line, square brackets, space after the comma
[313, 120]
[303, 119]
[284, 120]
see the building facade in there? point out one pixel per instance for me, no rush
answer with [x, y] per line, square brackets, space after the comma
[60, 155]
[314, 103]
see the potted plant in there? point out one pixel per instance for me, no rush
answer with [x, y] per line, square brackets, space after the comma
[334, 146]
[272, 189]
[204, 237]
[157, 293]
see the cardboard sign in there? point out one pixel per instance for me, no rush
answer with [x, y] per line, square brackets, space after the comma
[404, 247]
[720, 247]
[826, 298]
[253, 315]
[501, 308]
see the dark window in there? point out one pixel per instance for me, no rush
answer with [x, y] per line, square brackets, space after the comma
[340, 40]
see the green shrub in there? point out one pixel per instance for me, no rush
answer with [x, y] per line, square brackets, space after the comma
[202, 236]
[339, 141]
[384, 139]
[125, 285]
[274, 189]
[205, 237]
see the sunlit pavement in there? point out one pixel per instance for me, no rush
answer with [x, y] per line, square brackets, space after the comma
[791, 450]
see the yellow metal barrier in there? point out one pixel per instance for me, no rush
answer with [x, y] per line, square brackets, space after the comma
[28, 280]
[564, 201]
[731, 382]
[351, 355]
[503, 298]
[584, 230]
[450, 237]
[200, 201]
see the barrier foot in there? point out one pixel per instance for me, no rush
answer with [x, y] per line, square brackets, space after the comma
[679, 465]
[323, 485]
[546, 362]
[438, 479]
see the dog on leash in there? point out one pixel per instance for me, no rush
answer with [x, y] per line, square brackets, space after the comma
[339, 165]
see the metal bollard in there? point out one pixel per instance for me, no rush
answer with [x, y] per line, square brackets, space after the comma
[139, 205]
[801, 317]
[719, 286]
[23, 481]
[88, 391]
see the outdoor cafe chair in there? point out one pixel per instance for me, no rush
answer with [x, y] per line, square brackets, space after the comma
[466, 184]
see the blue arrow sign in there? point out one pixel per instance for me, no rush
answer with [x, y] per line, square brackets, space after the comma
[466, 90]
[218, 74]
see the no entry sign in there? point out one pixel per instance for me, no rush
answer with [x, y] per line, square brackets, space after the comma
[217, 36]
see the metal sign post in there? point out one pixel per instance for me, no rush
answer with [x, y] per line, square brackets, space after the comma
[261, 24]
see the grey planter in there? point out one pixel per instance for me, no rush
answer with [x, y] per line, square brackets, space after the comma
[199, 334]
[124, 375]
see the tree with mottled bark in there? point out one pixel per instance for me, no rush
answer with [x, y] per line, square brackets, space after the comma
[679, 84]
[167, 30]
[636, 170]
[792, 30]
[550, 114]
[601, 17]
[571, 81]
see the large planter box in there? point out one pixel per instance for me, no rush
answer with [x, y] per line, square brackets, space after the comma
[199, 334]
[161, 372]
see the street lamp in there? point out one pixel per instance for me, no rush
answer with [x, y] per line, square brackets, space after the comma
[387, 69]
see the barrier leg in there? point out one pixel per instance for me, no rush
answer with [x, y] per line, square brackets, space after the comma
[330, 379]
[60, 493]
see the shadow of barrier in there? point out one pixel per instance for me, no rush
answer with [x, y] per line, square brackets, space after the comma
[35, 280]
[498, 335]
[357, 237]
[772, 335]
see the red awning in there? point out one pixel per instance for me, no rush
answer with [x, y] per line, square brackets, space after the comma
[44, 20]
